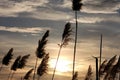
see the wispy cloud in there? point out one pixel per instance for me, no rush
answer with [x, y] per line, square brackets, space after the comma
[13, 7]
[101, 6]
[23, 30]
[88, 20]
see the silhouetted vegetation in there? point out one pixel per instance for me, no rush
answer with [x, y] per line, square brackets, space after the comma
[19, 63]
[65, 39]
[28, 75]
[76, 6]
[7, 58]
[108, 70]
[89, 73]
[23, 61]
[75, 76]
[40, 52]
[43, 67]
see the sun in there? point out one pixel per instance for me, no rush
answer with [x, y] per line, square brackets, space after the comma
[62, 66]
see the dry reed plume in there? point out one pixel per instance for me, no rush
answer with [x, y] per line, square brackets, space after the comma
[89, 73]
[40, 52]
[75, 76]
[65, 39]
[23, 61]
[7, 58]
[19, 63]
[28, 75]
[43, 66]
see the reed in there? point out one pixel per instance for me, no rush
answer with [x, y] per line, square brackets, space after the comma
[89, 73]
[109, 67]
[75, 76]
[14, 67]
[65, 39]
[115, 69]
[40, 52]
[7, 58]
[23, 61]
[76, 6]
[43, 67]
[102, 67]
[28, 74]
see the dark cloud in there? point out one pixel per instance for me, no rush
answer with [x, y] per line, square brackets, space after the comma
[118, 10]
[24, 14]
[17, 0]
[28, 22]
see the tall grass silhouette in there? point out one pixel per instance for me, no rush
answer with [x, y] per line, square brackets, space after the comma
[115, 69]
[28, 75]
[40, 52]
[89, 73]
[75, 76]
[19, 63]
[7, 58]
[14, 67]
[43, 67]
[102, 67]
[110, 69]
[109, 66]
[76, 6]
[65, 39]
[23, 61]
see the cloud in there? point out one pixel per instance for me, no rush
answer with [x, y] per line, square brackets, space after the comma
[13, 7]
[55, 9]
[39, 9]
[101, 6]
[23, 30]
[88, 20]
[26, 16]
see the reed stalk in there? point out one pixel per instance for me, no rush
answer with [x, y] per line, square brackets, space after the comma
[65, 39]
[76, 6]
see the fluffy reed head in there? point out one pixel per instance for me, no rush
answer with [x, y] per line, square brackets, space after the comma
[75, 76]
[40, 52]
[66, 34]
[89, 73]
[7, 58]
[110, 64]
[28, 74]
[23, 61]
[43, 66]
[102, 67]
[118, 63]
[115, 69]
[76, 5]
[16, 63]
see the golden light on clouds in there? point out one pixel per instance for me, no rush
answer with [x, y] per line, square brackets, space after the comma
[62, 66]
[65, 67]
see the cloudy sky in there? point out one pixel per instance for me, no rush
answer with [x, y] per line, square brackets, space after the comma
[23, 22]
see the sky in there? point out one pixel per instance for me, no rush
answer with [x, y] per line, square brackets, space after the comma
[23, 22]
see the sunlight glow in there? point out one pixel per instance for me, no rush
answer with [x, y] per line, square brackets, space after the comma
[62, 66]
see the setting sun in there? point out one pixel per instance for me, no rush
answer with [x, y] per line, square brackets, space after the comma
[62, 66]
